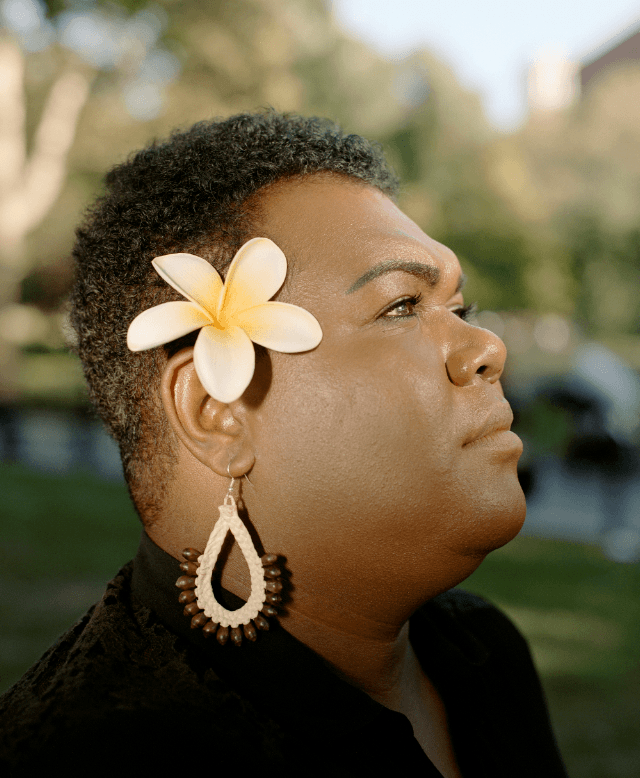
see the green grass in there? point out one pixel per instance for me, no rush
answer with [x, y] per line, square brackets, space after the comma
[62, 538]
[69, 528]
[581, 615]
[579, 610]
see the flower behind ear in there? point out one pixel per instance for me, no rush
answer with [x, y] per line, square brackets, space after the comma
[229, 315]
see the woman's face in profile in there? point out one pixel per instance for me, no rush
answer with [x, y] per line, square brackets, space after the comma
[375, 433]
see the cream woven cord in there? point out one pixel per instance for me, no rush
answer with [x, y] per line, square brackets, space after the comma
[229, 520]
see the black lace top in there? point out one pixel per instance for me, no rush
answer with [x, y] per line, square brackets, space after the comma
[131, 686]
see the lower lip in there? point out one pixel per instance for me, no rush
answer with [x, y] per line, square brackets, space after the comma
[500, 441]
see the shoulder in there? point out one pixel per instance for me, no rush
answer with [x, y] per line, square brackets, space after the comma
[116, 680]
[483, 643]
[479, 654]
[482, 618]
[76, 661]
[465, 605]
[481, 635]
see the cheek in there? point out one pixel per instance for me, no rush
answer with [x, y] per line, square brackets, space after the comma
[361, 425]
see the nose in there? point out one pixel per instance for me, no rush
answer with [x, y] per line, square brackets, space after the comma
[481, 353]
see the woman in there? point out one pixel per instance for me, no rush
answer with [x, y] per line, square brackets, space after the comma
[380, 470]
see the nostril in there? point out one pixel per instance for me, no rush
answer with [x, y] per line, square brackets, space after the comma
[482, 369]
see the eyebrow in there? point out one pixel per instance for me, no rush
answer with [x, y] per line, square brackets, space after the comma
[429, 273]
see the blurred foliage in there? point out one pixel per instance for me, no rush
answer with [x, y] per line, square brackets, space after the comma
[543, 219]
[546, 427]
[54, 7]
[576, 175]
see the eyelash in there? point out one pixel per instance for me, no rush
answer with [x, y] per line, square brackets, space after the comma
[465, 312]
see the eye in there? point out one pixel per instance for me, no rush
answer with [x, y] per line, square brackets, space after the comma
[402, 309]
[466, 312]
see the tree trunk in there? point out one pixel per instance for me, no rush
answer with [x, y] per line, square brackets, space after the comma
[29, 186]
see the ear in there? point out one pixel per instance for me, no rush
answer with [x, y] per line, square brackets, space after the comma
[215, 433]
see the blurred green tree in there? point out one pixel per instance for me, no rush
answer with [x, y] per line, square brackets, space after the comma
[583, 163]
[524, 212]
[441, 149]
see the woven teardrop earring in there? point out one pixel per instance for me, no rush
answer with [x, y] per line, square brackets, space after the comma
[197, 594]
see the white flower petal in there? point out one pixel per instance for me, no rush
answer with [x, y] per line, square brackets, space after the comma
[256, 273]
[224, 361]
[193, 277]
[164, 323]
[280, 326]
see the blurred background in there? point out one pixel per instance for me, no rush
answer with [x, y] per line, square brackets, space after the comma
[516, 131]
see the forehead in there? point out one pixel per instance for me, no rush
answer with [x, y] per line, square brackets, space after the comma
[333, 229]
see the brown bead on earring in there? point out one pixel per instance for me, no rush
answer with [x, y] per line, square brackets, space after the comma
[224, 634]
[210, 628]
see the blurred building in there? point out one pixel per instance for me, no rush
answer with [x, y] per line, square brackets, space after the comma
[624, 48]
[554, 81]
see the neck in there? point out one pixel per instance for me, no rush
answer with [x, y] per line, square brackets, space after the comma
[360, 629]
[377, 663]
[371, 652]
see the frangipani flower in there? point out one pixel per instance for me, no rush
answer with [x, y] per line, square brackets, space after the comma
[231, 315]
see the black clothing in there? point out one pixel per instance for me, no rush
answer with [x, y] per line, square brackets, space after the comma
[131, 686]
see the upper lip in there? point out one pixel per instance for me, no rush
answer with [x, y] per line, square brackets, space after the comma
[499, 418]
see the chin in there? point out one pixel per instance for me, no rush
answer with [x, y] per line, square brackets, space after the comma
[497, 523]
[507, 523]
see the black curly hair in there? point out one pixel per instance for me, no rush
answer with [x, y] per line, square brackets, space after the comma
[196, 192]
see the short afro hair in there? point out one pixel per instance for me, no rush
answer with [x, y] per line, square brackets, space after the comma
[197, 193]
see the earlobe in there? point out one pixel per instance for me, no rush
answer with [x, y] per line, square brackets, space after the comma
[214, 432]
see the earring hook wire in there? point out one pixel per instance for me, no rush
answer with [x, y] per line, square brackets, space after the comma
[233, 479]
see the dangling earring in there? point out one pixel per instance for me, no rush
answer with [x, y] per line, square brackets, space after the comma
[197, 594]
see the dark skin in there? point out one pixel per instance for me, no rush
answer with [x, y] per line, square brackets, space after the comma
[371, 472]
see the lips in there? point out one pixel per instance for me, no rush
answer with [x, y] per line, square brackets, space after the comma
[499, 418]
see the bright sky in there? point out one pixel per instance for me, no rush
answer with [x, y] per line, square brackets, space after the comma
[489, 43]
